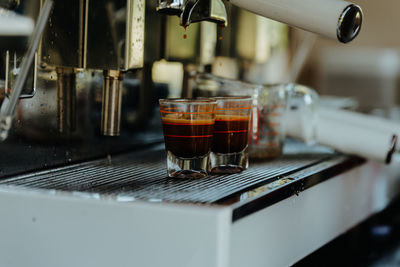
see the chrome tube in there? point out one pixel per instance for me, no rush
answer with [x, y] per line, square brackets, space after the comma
[112, 97]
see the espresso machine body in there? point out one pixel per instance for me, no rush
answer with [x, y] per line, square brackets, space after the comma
[105, 35]
[91, 82]
[82, 173]
[95, 93]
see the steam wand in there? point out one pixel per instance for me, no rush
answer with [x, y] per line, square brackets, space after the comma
[9, 105]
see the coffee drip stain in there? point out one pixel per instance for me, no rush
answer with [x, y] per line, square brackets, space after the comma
[185, 35]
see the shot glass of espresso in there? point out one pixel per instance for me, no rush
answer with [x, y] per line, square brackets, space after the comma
[229, 149]
[188, 132]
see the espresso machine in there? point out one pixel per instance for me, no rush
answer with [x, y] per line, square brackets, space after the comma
[83, 179]
[109, 36]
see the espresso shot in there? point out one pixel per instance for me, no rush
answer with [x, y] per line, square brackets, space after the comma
[230, 144]
[230, 133]
[188, 133]
[188, 138]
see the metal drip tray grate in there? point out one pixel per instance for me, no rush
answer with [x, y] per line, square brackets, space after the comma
[142, 175]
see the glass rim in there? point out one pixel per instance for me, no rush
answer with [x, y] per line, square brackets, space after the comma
[205, 101]
[233, 98]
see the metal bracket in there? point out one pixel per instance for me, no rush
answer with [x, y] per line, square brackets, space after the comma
[16, 70]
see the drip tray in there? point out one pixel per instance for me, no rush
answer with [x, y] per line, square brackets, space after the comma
[142, 175]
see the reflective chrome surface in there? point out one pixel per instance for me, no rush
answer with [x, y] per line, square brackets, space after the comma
[112, 96]
[170, 7]
[349, 24]
[195, 10]
[12, 69]
[115, 35]
[102, 34]
[62, 42]
[135, 30]
[141, 175]
[204, 10]
[66, 100]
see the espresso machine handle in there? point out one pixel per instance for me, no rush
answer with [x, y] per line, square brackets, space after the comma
[336, 19]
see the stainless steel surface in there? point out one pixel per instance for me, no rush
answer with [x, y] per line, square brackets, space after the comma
[8, 107]
[349, 24]
[170, 7]
[38, 118]
[112, 97]
[143, 176]
[12, 71]
[102, 34]
[134, 44]
[115, 34]
[62, 42]
[204, 10]
[66, 100]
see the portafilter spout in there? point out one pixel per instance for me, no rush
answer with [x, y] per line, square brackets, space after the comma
[195, 10]
[170, 7]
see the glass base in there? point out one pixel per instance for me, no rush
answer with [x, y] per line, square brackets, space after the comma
[229, 163]
[187, 168]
